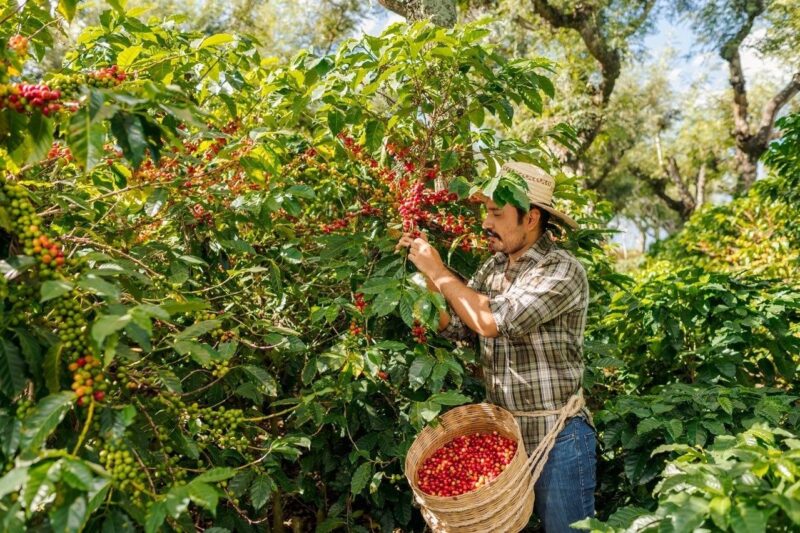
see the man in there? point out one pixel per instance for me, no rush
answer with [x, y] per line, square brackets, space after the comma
[526, 307]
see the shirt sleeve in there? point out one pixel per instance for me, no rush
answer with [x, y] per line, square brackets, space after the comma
[538, 296]
[456, 330]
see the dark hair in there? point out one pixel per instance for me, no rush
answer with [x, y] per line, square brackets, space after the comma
[544, 216]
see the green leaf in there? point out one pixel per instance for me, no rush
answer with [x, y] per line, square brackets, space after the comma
[97, 285]
[374, 135]
[13, 481]
[422, 412]
[31, 349]
[106, 325]
[360, 478]
[53, 289]
[647, 425]
[177, 500]
[379, 285]
[239, 484]
[203, 495]
[202, 353]
[747, 519]
[126, 58]
[44, 418]
[675, 428]
[118, 522]
[719, 509]
[76, 474]
[128, 130]
[85, 135]
[406, 308]
[41, 137]
[196, 330]
[726, 404]
[449, 161]
[261, 490]
[335, 121]
[264, 382]
[52, 367]
[215, 40]
[450, 398]
[12, 369]
[68, 8]
[155, 517]
[385, 303]
[69, 516]
[40, 484]
[420, 370]
[215, 474]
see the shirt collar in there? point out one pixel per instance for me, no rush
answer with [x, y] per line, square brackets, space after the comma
[533, 254]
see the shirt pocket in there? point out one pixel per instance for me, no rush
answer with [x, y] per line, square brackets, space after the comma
[522, 363]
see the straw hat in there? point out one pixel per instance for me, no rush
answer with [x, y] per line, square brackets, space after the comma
[540, 188]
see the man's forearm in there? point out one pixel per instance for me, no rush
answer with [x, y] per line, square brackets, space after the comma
[470, 305]
[444, 317]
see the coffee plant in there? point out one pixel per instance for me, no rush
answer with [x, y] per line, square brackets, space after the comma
[747, 482]
[204, 319]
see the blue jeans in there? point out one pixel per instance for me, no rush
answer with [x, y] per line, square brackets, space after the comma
[565, 490]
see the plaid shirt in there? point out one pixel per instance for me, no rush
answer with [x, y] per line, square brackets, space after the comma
[539, 304]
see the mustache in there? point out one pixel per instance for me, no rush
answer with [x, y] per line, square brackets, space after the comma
[490, 233]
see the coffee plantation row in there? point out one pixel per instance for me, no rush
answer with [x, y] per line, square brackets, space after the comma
[205, 324]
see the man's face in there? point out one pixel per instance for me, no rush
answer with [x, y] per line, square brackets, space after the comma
[503, 228]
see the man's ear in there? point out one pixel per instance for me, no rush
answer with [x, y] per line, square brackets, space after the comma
[533, 217]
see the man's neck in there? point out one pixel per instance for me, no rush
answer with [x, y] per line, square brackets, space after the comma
[530, 240]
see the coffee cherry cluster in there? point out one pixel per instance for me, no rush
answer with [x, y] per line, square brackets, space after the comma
[70, 84]
[120, 463]
[218, 425]
[26, 225]
[219, 370]
[88, 380]
[20, 296]
[24, 407]
[19, 44]
[106, 77]
[219, 333]
[418, 331]
[15, 199]
[466, 463]
[59, 151]
[70, 321]
[358, 301]
[355, 329]
[136, 379]
[24, 98]
[49, 252]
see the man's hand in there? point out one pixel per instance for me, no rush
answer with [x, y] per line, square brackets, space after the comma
[422, 254]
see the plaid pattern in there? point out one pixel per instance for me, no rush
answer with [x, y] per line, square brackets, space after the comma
[539, 304]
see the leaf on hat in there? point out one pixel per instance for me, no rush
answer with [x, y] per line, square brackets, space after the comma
[509, 188]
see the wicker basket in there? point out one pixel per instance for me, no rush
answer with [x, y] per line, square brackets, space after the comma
[503, 505]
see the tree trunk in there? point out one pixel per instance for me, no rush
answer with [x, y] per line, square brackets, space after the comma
[751, 142]
[684, 205]
[586, 19]
[440, 12]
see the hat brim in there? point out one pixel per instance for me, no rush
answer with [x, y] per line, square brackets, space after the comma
[566, 219]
